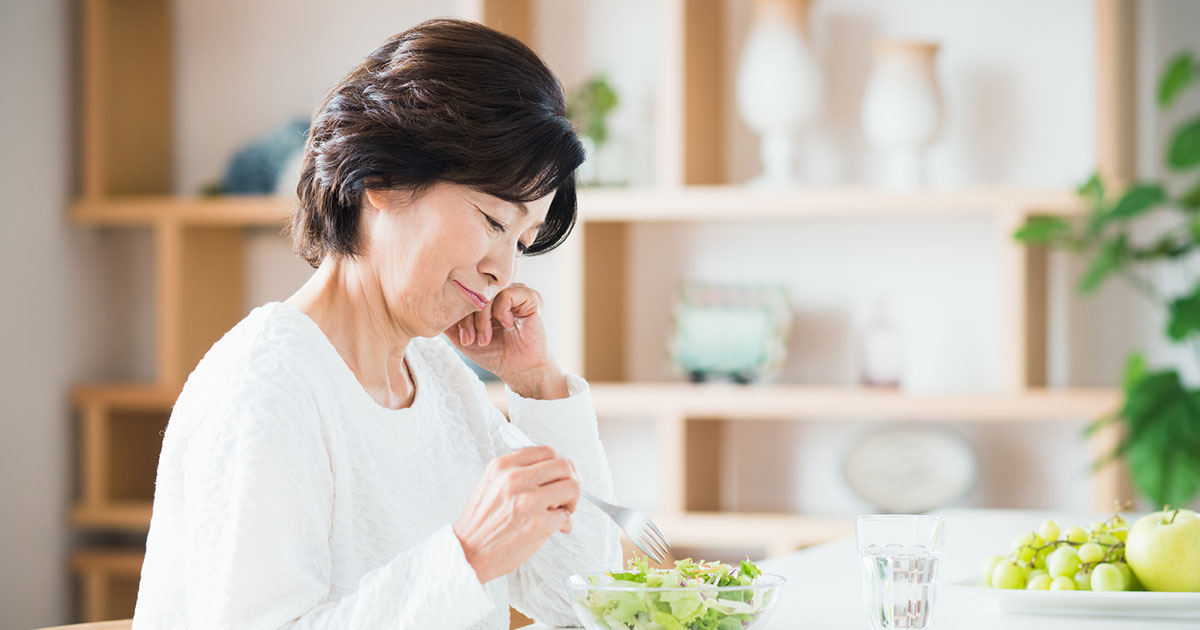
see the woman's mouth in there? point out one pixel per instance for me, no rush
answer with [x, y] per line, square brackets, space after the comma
[478, 300]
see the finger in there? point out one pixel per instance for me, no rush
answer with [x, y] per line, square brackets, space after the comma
[455, 333]
[543, 473]
[483, 324]
[502, 310]
[525, 302]
[468, 327]
[560, 495]
[525, 457]
[567, 525]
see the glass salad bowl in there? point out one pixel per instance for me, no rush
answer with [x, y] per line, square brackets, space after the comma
[693, 596]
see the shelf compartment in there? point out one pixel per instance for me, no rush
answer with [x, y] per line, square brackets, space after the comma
[109, 580]
[120, 441]
[125, 103]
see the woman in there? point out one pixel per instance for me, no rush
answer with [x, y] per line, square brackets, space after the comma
[331, 462]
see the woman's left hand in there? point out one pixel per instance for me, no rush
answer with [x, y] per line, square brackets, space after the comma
[508, 338]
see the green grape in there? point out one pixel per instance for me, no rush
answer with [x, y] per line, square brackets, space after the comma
[1117, 522]
[1131, 581]
[1106, 577]
[1090, 552]
[1036, 572]
[1064, 562]
[987, 566]
[1107, 539]
[1076, 534]
[1008, 575]
[1039, 583]
[1062, 584]
[1083, 580]
[1048, 530]
[1120, 534]
[1022, 540]
[1026, 554]
[1098, 527]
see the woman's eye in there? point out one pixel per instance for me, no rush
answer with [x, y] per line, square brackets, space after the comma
[494, 224]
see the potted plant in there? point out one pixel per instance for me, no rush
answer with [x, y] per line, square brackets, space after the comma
[1160, 413]
[588, 108]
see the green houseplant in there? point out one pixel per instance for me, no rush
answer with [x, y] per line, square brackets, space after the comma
[1160, 413]
[588, 108]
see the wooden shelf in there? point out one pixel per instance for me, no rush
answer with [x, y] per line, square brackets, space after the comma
[783, 402]
[777, 534]
[737, 203]
[133, 396]
[633, 205]
[126, 515]
[115, 561]
[752, 402]
[247, 211]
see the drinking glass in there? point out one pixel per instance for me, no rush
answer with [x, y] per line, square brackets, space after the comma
[899, 555]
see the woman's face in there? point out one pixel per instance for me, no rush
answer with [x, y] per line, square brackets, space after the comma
[443, 255]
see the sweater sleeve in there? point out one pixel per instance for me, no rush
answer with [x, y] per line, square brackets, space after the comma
[258, 496]
[568, 426]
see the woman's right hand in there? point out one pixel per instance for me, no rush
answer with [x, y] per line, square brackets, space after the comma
[523, 498]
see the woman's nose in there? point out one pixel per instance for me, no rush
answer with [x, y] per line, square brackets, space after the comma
[499, 266]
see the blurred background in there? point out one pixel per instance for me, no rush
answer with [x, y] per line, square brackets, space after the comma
[794, 285]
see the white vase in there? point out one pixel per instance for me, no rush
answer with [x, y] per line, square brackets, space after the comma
[778, 85]
[901, 110]
[881, 348]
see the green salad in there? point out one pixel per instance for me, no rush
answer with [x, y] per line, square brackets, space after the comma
[701, 607]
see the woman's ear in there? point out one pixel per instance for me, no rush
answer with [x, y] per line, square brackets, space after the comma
[375, 200]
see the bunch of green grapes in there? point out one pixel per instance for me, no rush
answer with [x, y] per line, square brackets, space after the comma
[1074, 559]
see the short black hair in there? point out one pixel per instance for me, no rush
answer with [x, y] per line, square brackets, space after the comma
[444, 101]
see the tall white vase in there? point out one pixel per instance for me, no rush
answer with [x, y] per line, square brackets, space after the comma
[902, 110]
[778, 85]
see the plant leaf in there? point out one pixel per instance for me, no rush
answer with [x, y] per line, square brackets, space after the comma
[1135, 371]
[1162, 443]
[1192, 198]
[1138, 199]
[1108, 260]
[1043, 230]
[1175, 78]
[1100, 423]
[1092, 189]
[1165, 460]
[1184, 151]
[1184, 316]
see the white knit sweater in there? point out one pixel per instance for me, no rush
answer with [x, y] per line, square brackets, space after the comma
[287, 498]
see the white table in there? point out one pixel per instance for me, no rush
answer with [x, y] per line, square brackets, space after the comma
[824, 591]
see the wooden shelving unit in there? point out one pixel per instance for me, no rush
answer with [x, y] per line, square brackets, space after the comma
[109, 581]
[126, 148]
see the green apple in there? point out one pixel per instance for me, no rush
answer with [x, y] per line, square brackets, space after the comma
[1163, 549]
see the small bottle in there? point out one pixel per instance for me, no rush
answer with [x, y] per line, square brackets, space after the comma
[881, 348]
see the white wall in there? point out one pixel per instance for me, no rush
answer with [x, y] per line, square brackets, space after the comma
[51, 313]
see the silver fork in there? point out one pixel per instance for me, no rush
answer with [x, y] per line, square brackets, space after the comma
[649, 538]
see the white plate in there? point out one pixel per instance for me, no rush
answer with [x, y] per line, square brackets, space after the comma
[1091, 603]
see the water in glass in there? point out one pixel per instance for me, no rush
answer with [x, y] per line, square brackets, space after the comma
[899, 584]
